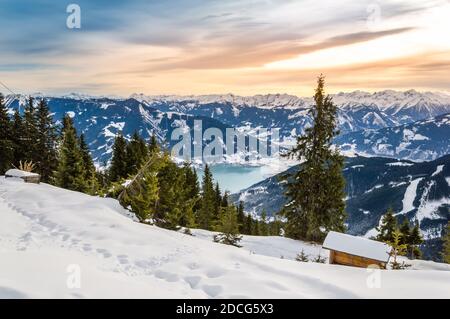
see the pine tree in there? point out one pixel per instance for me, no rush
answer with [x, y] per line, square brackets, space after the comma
[142, 193]
[405, 230]
[70, 173]
[263, 227]
[153, 146]
[171, 200]
[217, 202]
[319, 259]
[316, 190]
[118, 168]
[89, 167]
[224, 201]
[192, 188]
[30, 132]
[248, 225]
[275, 227]
[208, 201]
[136, 153]
[46, 155]
[446, 245]
[228, 227]
[387, 227]
[241, 218]
[189, 215]
[302, 257]
[19, 144]
[415, 240]
[6, 143]
[398, 249]
[255, 228]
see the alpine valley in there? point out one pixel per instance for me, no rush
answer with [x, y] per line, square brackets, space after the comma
[396, 144]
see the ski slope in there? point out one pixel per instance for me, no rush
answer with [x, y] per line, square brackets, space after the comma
[49, 236]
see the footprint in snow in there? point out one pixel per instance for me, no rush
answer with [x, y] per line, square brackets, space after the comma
[215, 272]
[170, 277]
[212, 290]
[193, 281]
[103, 252]
[123, 259]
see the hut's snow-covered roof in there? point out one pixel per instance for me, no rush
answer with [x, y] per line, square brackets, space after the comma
[357, 246]
[18, 173]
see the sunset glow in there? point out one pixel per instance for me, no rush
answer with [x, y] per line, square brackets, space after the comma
[205, 47]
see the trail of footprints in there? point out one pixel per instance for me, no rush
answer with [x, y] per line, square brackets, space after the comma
[43, 230]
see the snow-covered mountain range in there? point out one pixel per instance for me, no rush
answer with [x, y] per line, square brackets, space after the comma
[417, 191]
[420, 140]
[101, 118]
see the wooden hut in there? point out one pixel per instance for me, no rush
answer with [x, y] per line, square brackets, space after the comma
[356, 251]
[28, 177]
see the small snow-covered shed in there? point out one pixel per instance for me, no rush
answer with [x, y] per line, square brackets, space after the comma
[28, 177]
[356, 251]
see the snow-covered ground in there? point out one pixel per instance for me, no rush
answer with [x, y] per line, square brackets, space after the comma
[59, 243]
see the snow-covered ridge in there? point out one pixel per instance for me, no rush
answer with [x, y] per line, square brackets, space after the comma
[383, 99]
[58, 234]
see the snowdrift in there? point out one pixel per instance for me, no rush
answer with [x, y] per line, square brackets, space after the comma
[56, 243]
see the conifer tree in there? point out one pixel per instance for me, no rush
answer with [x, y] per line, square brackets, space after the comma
[208, 201]
[263, 227]
[19, 144]
[255, 230]
[302, 256]
[405, 230]
[398, 249]
[387, 227]
[248, 225]
[89, 167]
[228, 227]
[217, 202]
[319, 259]
[191, 184]
[171, 200]
[316, 190]
[30, 132]
[118, 168]
[70, 173]
[189, 215]
[275, 227]
[6, 143]
[415, 240]
[241, 218]
[136, 153]
[446, 245]
[224, 201]
[153, 146]
[46, 155]
[142, 193]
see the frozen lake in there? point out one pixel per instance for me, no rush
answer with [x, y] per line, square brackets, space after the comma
[233, 177]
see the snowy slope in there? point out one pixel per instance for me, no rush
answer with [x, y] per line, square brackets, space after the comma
[47, 232]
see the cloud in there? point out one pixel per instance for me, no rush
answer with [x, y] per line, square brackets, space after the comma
[264, 52]
[136, 43]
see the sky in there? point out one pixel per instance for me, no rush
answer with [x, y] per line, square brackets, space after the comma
[243, 47]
